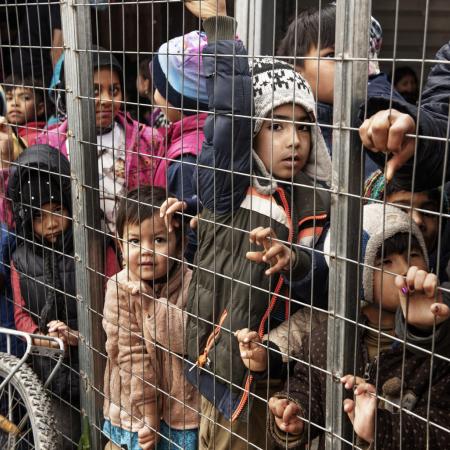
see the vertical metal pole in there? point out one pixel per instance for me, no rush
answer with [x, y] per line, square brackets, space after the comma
[76, 21]
[352, 38]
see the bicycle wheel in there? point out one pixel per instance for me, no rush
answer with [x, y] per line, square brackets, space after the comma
[24, 395]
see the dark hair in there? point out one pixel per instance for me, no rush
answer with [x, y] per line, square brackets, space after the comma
[26, 82]
[144, 68]
[433, 194]
[399, 243]
[141, 204]
[401, 72]
[303, 33]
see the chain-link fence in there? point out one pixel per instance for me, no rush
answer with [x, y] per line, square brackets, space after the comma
[234, 214]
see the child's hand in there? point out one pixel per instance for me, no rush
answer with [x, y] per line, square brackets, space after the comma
[253, 353]
[286, 415]
[204, 9]
[6, 144]
[168, 209]
[147, 438]
[386, 132]
[56, 328]
[275, 253]
[420, 299]
[135, 287]
[361, 411]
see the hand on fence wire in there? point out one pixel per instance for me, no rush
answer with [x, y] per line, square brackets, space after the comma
[6, 144]
[420, 299]
[386, 132]
[147, 438]
[135, 287]
[275, 253]
[170, 207]
[253, 353]
[361, 411]
[204, 9]
[286, 415]
[59, 329]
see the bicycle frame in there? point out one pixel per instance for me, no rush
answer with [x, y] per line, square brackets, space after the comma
[34, 350]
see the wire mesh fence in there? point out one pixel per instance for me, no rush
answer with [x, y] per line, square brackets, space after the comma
[234, 215]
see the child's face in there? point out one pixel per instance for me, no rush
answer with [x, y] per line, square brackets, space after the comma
[407, 85]
[323, 84]
[385, 293]
[21, 106]
[143, 86]
[428, 223]
[51, 221]
[283, 145]
[108, 95]
[145, 248]
[173, 115]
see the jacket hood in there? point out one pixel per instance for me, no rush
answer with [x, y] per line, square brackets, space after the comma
[48, 170]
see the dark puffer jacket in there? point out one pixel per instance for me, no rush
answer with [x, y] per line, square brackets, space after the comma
[228, 292]
[393, 430]
[433, 121]
[47, 272]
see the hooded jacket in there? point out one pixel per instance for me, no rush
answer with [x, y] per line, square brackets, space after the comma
[46, 272]
[228, 292]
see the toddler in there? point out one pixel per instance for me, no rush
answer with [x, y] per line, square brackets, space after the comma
[400, 300]
[146, 396]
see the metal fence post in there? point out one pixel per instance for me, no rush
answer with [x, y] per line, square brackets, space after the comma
[76, 20]
[352, 37]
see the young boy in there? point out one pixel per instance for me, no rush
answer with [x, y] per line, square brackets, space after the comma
[402, 307]
[425, 207]
[302, 41]
[25, 107]
[249, 177]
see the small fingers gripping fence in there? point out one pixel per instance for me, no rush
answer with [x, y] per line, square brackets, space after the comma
[308, 143]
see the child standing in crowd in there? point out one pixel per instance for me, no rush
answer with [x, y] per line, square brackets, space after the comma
[180, 93]
[43, 272]
[26, 107]
[242, 186]
[302, 41]
[403, 307]
[146, 397]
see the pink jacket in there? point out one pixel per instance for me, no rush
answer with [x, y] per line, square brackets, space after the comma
[144, 377]
[142, 145]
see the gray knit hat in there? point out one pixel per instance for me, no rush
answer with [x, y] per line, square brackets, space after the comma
[381, 222]
[276, 83]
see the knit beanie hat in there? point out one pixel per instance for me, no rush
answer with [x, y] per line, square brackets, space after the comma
[276, 83]
[177, 72]
[381, 222]
[103, 58]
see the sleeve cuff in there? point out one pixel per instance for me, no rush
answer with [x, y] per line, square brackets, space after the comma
[220, 28]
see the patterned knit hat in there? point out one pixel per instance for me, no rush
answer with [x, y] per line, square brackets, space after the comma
[276, 83]
[177, 72]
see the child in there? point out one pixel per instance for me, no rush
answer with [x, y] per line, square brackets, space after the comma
[26, 107]
[302, 41]
[144, 320]
[425, 212]
[43, 271]
[241, 188]
[144, 85]
[389, 303]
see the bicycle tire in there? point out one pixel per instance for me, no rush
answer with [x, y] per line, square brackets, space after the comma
[35, 400]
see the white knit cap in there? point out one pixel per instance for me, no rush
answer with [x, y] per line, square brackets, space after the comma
[276, 83]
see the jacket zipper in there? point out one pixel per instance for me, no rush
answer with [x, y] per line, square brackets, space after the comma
[272, 303]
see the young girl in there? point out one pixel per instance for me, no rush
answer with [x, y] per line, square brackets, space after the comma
[43, 271]
[146, 397]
